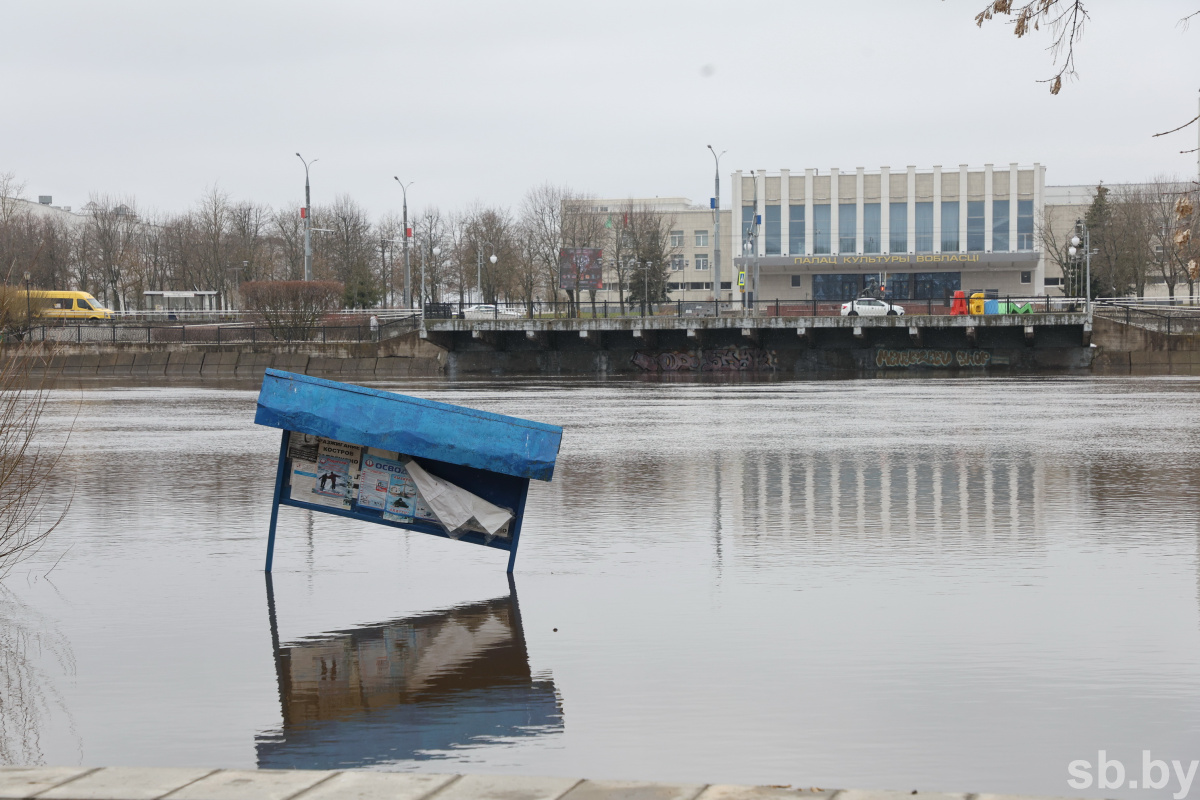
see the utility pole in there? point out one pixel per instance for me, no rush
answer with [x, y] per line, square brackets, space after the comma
[307, 220]
[407, 269]
[391, 289]
[716, 209]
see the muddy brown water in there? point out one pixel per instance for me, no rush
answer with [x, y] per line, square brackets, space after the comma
[933, 584]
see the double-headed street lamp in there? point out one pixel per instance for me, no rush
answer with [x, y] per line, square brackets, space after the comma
[1082, 237]
[646, 266]
[407, 270]
[479, 265]
[307, 220]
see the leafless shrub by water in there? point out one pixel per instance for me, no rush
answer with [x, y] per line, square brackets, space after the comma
[33, 501]
[292, 309]
[30, 647]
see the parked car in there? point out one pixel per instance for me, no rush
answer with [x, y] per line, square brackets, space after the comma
[488, 311]
[870, 307]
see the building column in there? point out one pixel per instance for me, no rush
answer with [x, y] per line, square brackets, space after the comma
[735, 226]
[834, 216]
[962, 208]
[885, 209]
[989, 197]
[1039, 197]
[809, 175]
[937, 208]
[912, 208]
[1012, 207]
[858, 210]
[785, 211]
[760, 189]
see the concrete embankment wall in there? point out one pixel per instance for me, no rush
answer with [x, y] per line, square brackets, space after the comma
[400, 357]
[1130, 350]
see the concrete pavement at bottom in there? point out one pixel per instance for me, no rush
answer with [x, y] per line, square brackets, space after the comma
[150, 783]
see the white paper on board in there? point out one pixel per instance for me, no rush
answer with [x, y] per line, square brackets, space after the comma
[454, 505]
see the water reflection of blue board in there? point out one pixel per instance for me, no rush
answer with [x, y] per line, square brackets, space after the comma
[403, 461]
[410, 689]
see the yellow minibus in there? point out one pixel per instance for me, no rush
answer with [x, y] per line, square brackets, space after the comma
[67, 305]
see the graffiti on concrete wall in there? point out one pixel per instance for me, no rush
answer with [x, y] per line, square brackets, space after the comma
[932, 358]
[719, 359]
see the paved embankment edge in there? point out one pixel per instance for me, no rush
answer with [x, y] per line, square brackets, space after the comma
[149, 783]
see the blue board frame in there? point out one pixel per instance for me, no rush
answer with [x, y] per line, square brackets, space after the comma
[494, 456]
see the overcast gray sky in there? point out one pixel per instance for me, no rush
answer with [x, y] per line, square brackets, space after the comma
[478, 101]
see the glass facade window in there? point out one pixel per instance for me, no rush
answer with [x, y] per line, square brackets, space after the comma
[974, 226]
[950, 226]
[1025, 225]
[701, 238]
[796, 230]
[847, 224]
[747, 224]
[822, 225]
[899, 286]
[836, 287]
[773, 231]
[898, 233]
[676, 238]
[924, 214]
[701, 260]
[797, 281]
[676, 262]
[936, 285]
[999, 225]
[872, 237]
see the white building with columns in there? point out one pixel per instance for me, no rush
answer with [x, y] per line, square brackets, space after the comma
[920, 232]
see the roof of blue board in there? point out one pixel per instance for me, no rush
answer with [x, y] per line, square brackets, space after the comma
[410, 425]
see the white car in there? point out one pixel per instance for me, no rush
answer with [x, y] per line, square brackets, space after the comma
[488, 311]
[870, 307]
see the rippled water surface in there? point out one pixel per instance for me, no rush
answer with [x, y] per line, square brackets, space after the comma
[915, 584]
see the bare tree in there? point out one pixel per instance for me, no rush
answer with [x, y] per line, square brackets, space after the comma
[288, 243]
[349, 253]
[542, 219]
[430, 232]
[112, 235]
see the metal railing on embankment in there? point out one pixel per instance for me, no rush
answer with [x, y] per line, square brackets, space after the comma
[237, 333]
[609, 309]
[1163, 318]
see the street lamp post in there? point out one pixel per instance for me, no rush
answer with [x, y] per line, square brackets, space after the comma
[479, 265]
[407, 270]
[1082, 236]
[716, 209]
[307, 220]
[28, 305]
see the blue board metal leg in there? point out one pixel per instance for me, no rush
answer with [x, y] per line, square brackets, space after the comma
[283, 443]
[516, 533]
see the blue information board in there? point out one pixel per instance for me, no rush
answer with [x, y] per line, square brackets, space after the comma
[403, 461]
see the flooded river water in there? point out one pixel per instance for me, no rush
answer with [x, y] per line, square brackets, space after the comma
[932, 584]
